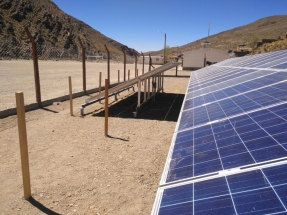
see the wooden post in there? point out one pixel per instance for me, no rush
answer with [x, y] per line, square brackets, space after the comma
[145, 90]
[83, 65]
[143, 66]
[162, 82]
[71, 96]
[136, 60]
[128, 75]
[125, 61]
[23, 144]
[36, 68]
[106, 105]
[176, 71]
[148, 87]
[118, 76]
[108, 63]
[204, 61]
[100, 82]
[137, 74]
[139, 93]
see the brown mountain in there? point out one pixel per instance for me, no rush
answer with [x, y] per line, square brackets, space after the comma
[267, 28]
[50, 27]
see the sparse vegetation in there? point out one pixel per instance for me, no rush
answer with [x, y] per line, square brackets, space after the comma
[269, 47]
[252, 42]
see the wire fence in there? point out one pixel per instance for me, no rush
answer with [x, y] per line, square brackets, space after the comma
[55, 65]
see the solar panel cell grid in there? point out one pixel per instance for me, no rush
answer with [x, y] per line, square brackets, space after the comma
[261, 191]
[233, 118]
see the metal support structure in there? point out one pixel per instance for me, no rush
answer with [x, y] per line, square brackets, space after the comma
[108, 62]
[36, 67]
[164, 57]
[123, 86]
[164, 47]
[83, 65]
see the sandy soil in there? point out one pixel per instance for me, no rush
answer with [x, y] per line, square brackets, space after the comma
[75, 169]
[18, 75]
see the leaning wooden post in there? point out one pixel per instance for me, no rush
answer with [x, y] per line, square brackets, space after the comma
[108, 71]
[23, 144]
[106, 105]
[83, 65]
[36, 67]
[100, 82]
[71, 96]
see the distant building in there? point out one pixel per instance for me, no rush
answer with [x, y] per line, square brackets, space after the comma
[195, 59]
[156, 60]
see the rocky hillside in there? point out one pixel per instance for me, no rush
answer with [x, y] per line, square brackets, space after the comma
[50, 27]
[267, 28]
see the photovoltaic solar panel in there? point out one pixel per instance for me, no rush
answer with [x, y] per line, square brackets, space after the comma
[260, 191]
[234, 117]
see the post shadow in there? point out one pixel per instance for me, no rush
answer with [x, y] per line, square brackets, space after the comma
[41, 207]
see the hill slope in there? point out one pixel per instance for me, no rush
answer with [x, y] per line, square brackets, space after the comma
[50, 27]
[266, 28]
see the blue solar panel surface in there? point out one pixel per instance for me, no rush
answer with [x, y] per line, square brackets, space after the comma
[234, 116]
[262, 191]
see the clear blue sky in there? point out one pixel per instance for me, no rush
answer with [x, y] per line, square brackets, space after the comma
[135, 23]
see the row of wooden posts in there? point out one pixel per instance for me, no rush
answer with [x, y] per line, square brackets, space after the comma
[21, 109]
[22, 125]
[23, 132]
[36, 66]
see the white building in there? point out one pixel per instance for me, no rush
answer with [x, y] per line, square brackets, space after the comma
[156, 60]
[195, 59]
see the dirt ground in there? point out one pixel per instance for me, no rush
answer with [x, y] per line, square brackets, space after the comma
[75, 169]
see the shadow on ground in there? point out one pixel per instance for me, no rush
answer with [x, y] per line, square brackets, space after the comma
[41, 207]
[165, 107]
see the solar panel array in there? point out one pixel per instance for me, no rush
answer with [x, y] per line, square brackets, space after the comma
[229, 150]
